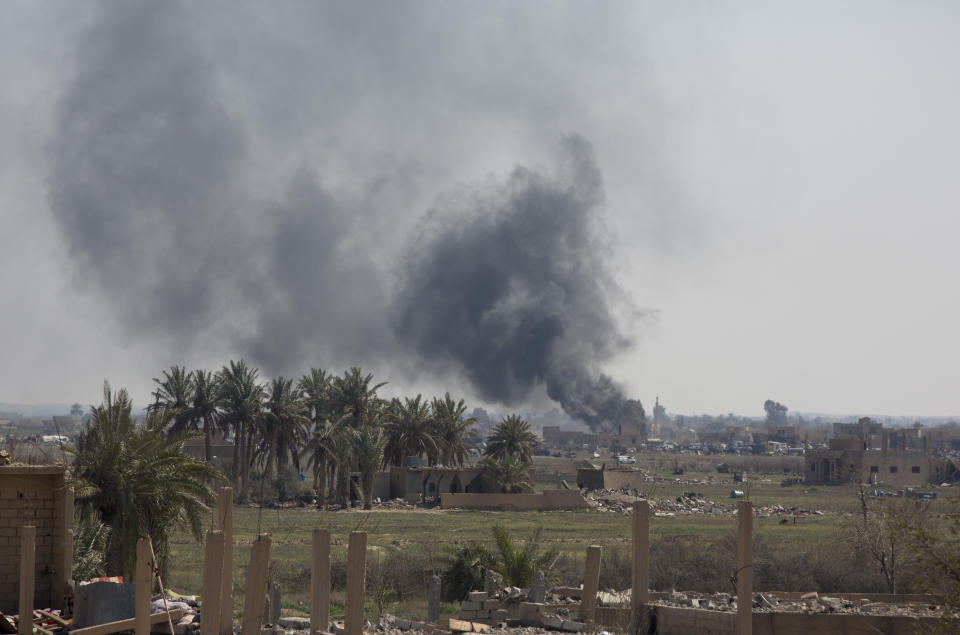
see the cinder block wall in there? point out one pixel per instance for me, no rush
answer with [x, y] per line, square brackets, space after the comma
[35, 495]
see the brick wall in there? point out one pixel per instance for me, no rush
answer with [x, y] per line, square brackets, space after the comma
[35, 495]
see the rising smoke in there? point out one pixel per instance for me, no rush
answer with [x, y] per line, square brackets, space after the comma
[507, 286]
[510, 287]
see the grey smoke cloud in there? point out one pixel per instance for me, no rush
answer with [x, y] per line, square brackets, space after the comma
[509, 285]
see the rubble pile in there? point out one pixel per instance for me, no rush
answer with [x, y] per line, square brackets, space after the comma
[690, 503]
[811, 602]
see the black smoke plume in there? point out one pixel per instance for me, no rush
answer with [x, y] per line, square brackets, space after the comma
[149, 183]
[509, 285]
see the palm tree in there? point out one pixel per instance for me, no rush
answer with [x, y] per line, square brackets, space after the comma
[510, 473]
[240, 398]
[519, 565]
[449, 425]
[139, 482]
[173, 395]
[341, 454]
[315, 387]
[319, 452]
[352, 395]
[283, 427]
[408, 431]
[368, 445]
[511, 436]
[204, 411]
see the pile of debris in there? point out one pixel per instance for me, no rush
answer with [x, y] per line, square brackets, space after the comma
[811, 602]
[45, 622]
[689, 503]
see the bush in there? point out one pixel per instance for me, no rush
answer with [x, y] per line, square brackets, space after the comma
[465, 571]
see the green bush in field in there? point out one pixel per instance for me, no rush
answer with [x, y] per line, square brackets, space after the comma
[465, 570]
[518, 565]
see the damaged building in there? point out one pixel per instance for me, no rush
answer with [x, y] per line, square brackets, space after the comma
[903, 458]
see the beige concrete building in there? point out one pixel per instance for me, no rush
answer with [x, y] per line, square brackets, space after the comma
[853, 455]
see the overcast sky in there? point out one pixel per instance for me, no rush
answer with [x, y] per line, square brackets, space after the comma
[768, 192]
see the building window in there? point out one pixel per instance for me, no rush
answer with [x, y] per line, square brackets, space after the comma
[813, 467]
[893, 469]
[874, 469]
[915, 469]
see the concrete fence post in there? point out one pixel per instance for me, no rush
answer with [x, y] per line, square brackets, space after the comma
[255, 594]
[591, 584]
[745, 568]
[212, 587]
[143, 578]
[28, 563]
[320, 582]
[356, 582]
[640, 570]
[225, 524]
[433, 599]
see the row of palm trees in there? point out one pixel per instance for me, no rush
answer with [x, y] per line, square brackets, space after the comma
[335, 424]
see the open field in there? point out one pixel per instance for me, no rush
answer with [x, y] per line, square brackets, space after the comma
[417, 541]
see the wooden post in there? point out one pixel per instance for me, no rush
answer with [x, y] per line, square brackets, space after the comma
[225, 524]
[320, 582]
[28, 563]
[591, 584]
[256, 592]
[641, 560]
[745, 568]
[356, 582]
[212, 577]
[143, 576]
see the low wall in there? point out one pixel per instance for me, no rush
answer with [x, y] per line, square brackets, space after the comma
[548, 499]
[672, 620]
[887, 598]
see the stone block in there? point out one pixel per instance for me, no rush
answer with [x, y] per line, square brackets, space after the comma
[470, 606]
[102, 602]
[491, 605]
[499, 615]
[551, 621]
[571, 626]
[477, 596]
[295, 623]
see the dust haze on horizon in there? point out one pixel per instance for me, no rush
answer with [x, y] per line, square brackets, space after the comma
[716, 203]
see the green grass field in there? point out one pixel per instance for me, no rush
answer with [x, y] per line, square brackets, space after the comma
[428, 535]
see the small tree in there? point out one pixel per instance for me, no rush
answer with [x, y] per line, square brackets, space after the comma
[878, 531]
[936, 547]
[519, 564]
[465, 571]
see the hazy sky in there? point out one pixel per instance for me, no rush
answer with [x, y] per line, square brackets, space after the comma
[766, 194]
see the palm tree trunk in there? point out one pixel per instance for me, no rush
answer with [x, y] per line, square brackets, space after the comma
[237, 443]
[207, 441]
[320, 483]
[368, 489]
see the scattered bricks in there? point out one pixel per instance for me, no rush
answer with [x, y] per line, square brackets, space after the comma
[478, 596]
[834, 604]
